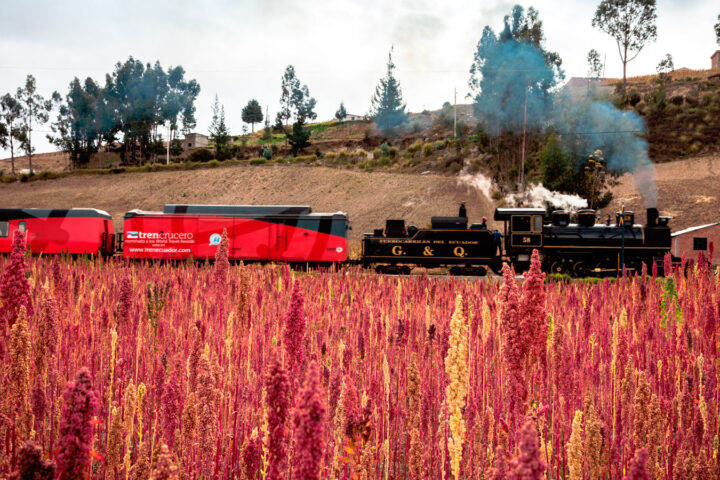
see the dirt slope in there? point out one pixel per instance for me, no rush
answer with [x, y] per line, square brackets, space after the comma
[369, 198]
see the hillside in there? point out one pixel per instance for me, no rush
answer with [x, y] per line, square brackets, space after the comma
[369, 198]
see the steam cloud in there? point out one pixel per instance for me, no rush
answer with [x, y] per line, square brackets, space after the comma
[515, 76]
[539, 196]
[587, 126]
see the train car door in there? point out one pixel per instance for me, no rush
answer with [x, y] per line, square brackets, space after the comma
[278, 240]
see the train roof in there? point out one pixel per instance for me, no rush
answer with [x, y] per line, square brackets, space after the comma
[238, 209]
[260, 211]
[506, 213]
[20, 213]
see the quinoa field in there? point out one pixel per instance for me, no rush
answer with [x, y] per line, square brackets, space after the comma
[216, 371]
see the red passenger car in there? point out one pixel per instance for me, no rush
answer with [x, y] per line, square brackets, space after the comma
[255, 232]
[75, 231]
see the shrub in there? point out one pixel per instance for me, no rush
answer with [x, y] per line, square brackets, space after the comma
[633, 98]
[266, 152]
[415, 146]
[258, 161]
[213, 164]
[427, 149]
[200, 155]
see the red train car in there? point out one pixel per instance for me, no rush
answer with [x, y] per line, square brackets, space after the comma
[284, 233]
[77, 231]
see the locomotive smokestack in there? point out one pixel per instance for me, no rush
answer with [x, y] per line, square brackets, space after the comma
[652, 216]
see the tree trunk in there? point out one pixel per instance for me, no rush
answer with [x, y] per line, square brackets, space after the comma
[12, 153]
[624, 60]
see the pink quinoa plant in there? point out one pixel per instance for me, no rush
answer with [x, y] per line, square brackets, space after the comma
[278, 402]
[294, 334]
[309, 427]
[14, 286]
[77, 427]
[32, 464]
[528, 464]
[125, 301]
[251, 458]
[532, 309]
[171, 409]
[636, 470]
[222, 265]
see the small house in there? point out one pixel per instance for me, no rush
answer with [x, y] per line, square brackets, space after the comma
[194, 140]
[715, 59]
[694, 240]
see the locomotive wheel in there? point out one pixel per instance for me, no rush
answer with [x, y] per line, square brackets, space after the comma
[481, 271]
[380, 269]
[455, 271]
[558, 266]
[405, 270]
[579, 269]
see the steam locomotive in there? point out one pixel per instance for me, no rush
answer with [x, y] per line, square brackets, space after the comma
[294, 234]
[580, 249]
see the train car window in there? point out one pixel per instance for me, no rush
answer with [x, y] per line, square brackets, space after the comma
[700, 243]
[4, 229]
[537, 223]
[521, 223]
[21, 227]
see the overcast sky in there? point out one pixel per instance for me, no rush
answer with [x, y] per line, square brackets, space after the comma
[239, 50]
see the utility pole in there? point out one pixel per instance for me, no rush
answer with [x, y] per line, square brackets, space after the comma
[455, 115]
[522, 154]
[167, 158]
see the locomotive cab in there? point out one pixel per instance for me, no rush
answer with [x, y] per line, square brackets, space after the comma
[523, 232]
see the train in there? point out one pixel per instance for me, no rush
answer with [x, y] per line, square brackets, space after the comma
[294, 234]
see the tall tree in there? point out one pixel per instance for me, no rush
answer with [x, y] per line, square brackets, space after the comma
[252, 113]
[595, 65]
[141, 97]
[81, 123]
[289, 84]
[341, 112]
[631, 23]
[388, 108]
[717, 30]
[10, 116]
[35, 110]
[218, 130]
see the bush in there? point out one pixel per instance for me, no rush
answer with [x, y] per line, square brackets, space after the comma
[633, 98]
[200, 155]
[415, 146]
[266, 152]
[213, 164]
[257, 161]
[677, 100]
[384, 150]
[427, 149]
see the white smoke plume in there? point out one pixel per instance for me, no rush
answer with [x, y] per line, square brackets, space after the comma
[477, 181]
[539, 196]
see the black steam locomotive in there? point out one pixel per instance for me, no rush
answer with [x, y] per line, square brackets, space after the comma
[586, 247]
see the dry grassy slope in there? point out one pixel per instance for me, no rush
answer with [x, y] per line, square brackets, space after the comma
[688, 191]
[369, 198]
